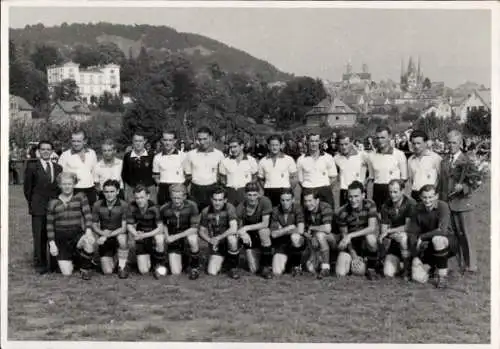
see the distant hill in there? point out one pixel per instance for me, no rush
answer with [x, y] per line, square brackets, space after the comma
[159, 40]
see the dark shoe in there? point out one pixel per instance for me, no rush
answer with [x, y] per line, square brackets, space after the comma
[85, 274]
[194, 274]
[267, 273]
[442, 282]
[323, 273]
[296, 271]
[371, 274]
[41, 270]
[234, 274]
[123, 273]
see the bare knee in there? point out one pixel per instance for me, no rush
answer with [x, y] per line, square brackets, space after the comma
[232, 241]
[439, 243]
[193, 243]
[297, 240]
[265, 237]
[122, 241]
[371, 242]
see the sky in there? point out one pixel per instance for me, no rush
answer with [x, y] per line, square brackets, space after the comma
[454, 46]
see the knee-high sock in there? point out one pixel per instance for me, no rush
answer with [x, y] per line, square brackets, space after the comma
[267, 256]
[296, 255]
[233, 258]
[195, 259]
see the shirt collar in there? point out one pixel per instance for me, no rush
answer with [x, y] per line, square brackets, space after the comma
[84, 150]
[456, 155]
[352, 152]
[390, 150]
[280, 155]
[321, 153]
[173, 152]
[245, 157]
[208, 150]
[133, 154]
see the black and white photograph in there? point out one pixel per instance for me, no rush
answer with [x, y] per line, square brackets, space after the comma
[247, 174]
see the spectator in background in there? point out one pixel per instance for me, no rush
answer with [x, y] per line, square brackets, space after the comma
[404, 145]
[260, 149]
[332, 144]
[14, 159]
[291, 149]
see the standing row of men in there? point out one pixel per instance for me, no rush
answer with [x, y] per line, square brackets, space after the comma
[205, 168]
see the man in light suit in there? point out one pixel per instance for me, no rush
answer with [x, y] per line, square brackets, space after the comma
[454, 189]
[39, 187]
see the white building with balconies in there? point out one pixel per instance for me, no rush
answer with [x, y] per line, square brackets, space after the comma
[92, 82]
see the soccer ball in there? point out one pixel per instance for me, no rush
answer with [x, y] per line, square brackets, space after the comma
[358, 266]
[161, 270]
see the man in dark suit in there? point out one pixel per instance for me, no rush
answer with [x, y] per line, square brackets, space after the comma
[39, 187]
[455, 188]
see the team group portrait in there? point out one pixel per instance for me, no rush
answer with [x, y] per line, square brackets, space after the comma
[165, 184]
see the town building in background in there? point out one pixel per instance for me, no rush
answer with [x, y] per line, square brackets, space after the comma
[332, 112]
[92, 82]
[65, 110]
[19, 109]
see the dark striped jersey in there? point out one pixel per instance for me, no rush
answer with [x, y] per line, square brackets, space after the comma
[322, 215]
[285, 219]
[356, 220]
[396, 216]
[67, 217]
[109, 217]
[179, 220]
[217, 222]
[264, 207]
[146, 220]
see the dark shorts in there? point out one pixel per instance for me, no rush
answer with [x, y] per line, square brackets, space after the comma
[282, 244]
[359, 245]
[235, 196]
[427, 256]
[380, 194]
[66, 245]
[201, 194]
[145, 246]
[394, 249]
[109, 248]
[222, 248]
[274, 194]
[178, 247]
[254, 236]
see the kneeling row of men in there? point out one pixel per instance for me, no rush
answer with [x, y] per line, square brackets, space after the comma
[405, 237]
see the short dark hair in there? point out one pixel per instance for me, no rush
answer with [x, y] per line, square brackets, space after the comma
[219, 190]
[313, 134]
[236, 139]
[275, 138]
[427, 188]
[383, 128]
[111, 183]
[139, 188]
[170, 132]
[45, 142]
[204, 129]
[79, 131]
[287, 191]
[140, 134]
[341, 136]
[397, 181]
[356, 185]
[310, 191]
[419, 133]
[251, 187]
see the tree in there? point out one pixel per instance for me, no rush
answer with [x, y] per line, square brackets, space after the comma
[45, 56]
[427, 83]
[479, 122]
[110, 53]
[66, 90]
[86, 56]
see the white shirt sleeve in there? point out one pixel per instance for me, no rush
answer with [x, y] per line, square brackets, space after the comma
[222, 168]
[187, 164]
[254, 167]
[300, 169]
[403, 166]
[62, 161]
[156, 164]
[261, 172]
[292, 167]
[331, 167]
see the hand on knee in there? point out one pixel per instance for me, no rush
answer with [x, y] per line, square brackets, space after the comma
[297, 240]
[371, 242]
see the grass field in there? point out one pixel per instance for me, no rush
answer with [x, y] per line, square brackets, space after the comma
[251, 309]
